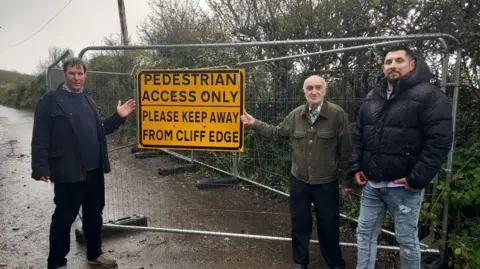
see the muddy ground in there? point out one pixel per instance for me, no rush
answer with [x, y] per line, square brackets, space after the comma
[135, 187]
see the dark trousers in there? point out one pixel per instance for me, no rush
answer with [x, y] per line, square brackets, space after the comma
[326, 201]
[89, 194]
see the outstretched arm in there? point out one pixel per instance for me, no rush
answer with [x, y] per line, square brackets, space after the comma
[267, 130]
[113, 122]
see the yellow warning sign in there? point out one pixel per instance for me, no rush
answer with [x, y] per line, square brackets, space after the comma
[193, 109]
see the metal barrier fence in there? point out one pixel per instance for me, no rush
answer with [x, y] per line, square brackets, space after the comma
[139, 186]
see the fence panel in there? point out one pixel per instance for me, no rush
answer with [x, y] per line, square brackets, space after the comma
[273, 89]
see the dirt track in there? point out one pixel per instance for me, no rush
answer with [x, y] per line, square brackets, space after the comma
[135, 187]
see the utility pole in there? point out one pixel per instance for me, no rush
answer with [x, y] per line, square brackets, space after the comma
[123, 21]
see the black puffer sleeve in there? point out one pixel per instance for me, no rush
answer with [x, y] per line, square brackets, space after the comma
[436, 120]
[357, 146]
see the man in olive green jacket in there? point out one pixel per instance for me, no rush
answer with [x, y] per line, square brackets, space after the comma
[320, 139]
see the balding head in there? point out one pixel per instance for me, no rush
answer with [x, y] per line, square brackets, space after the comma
[314, 80]
[314, 88]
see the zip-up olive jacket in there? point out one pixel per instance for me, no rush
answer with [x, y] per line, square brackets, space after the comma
[320, 151]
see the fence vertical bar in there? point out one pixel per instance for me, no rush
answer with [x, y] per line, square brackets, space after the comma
[443, 88]
[64, 55]
[450, 155]
[235, 158]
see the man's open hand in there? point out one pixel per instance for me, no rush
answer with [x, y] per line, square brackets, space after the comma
[125, 109]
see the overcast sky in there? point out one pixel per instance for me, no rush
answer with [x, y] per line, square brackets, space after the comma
[82, 23]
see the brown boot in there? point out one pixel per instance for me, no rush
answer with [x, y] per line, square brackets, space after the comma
[104, 260]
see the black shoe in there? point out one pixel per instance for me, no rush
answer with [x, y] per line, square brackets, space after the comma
[299, 266]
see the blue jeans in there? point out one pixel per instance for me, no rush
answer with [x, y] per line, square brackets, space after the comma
[404, 205]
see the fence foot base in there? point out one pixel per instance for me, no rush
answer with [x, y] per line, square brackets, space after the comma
[216, 182]
[176, 169]
[429, 239]
[133, 220]
[149, 154]
[434, 261]
[135, 150]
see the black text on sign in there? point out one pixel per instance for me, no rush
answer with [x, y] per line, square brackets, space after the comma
[191, 109]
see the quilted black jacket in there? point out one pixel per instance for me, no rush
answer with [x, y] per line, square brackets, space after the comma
[408, 135]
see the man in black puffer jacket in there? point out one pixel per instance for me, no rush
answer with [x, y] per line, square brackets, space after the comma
[403, 137]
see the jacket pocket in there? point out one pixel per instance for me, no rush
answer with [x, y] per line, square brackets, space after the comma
[326, 154]
[57, 166]
[298, 134]
[56, 111]
[325, 139]
[60, 126]
[298, 153]
[325, 135]
[298, 141]
[59, 121]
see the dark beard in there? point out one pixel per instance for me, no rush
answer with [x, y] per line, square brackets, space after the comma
[392, 80]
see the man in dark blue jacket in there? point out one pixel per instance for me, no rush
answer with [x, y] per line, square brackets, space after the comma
[69, 148]
[403, 137]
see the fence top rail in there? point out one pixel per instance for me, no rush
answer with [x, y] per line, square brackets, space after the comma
[273, 43]
[65, 54]
[98, 72]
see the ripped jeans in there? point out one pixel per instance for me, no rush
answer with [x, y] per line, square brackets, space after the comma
[404, 205]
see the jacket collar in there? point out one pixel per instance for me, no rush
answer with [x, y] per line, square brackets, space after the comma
[323, 110]
[60, 96]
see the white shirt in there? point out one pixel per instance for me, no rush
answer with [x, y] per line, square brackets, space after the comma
[314, 114]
